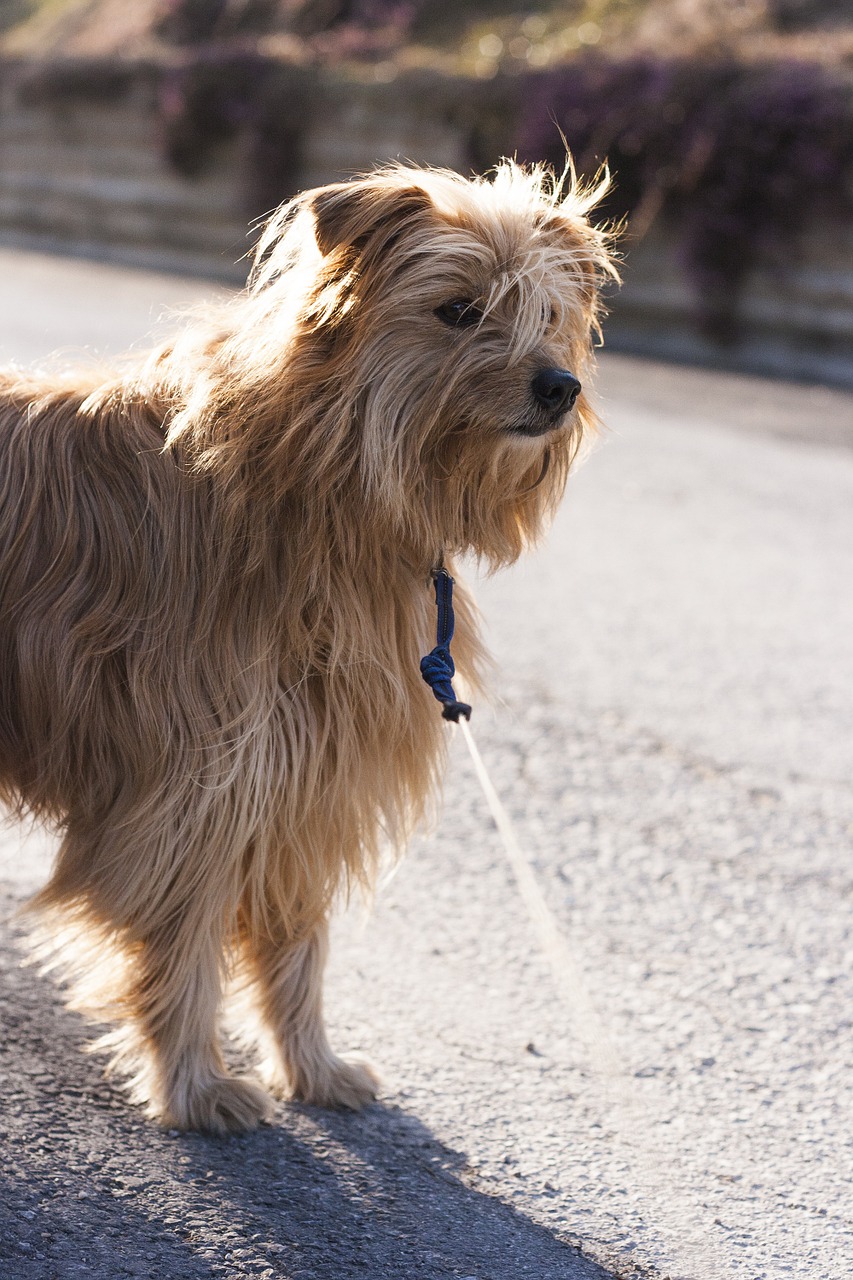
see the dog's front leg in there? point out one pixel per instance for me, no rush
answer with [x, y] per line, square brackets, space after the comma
[175, 1002]
[300, 1062]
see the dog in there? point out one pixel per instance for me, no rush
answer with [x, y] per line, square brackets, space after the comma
[215, 569]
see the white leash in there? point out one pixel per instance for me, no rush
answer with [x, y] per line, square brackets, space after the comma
[619, 1095]
[565, 968]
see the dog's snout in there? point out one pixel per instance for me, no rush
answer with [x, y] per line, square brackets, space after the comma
[555, 390]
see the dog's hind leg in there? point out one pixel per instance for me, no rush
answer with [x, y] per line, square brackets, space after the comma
[300, 1063]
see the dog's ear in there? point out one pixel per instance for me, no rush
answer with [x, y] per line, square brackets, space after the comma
[566, 228]
[350, 214]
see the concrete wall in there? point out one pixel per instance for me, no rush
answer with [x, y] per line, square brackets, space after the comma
[90, 178]
[794, 319]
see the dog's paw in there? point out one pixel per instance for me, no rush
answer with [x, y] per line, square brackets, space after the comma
[341, 1082]
[348, 1083]
[226, 1104]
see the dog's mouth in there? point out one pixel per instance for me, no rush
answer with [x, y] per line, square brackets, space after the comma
[531, 430]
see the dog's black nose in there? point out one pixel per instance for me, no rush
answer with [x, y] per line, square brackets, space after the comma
[556, 390]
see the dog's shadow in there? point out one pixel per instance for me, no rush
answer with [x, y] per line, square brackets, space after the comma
[94, 1190]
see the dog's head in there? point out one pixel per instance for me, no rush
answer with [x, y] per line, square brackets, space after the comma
[445, 329]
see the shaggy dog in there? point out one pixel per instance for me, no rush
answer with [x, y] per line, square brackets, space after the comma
[215, 593]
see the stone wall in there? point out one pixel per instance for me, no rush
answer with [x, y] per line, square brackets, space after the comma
[89, 178]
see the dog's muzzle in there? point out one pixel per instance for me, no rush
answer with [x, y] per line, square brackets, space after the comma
[554, 393]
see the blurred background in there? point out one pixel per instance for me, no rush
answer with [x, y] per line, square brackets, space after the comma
[152, 132]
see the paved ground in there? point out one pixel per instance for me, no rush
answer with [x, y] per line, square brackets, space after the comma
[674, 744]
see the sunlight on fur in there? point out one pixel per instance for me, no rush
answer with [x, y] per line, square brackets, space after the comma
[216, 594]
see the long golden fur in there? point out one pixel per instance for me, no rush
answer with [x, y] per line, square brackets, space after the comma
[215, 594]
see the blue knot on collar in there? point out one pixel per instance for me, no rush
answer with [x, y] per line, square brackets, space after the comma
[437, 667]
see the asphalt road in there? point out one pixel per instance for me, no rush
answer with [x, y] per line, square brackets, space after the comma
[672, 738]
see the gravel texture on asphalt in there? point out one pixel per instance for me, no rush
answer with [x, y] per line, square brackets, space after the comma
[673, 741]
[90, 1189]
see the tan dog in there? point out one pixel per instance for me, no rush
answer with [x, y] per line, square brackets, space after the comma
[215, 595]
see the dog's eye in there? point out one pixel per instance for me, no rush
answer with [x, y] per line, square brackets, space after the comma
[459, 313]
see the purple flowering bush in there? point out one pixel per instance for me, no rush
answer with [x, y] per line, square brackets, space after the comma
[223, 92]
[740, 155]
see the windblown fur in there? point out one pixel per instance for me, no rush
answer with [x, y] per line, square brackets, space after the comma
[214, 596]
